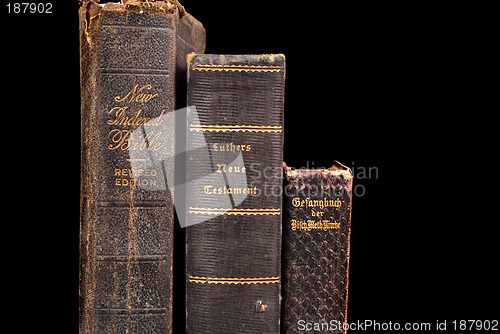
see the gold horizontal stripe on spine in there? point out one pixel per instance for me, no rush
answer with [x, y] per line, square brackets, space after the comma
[235, 128]
[237, 68]
[238, 209]
[233, 280]
[235, 211]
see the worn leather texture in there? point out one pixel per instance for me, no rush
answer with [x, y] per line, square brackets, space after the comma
[128, 68]
[191, 37]
[316, 234]
[234, 175]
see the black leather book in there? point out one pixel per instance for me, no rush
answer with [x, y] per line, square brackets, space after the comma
[128, 54]
[234, 197]
[316, 233]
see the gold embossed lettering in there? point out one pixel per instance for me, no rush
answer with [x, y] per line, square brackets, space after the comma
[128, 119]
[211, 190]
[231, 147]
[224, 168]
[121, 118]
[139, 95]
[124, 140]
[297, 202]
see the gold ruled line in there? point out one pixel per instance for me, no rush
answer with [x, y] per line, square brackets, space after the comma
[237, 68]
[238, 209]
[235, 128]
[235, 211]
[233, 280]
[229, 213]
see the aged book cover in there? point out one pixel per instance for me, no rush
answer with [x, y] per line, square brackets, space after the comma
[234, 198]
[316, 234]
[128, 66]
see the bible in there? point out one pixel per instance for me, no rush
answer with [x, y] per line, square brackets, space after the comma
[316, 233]
[234, 199]
[129, 61]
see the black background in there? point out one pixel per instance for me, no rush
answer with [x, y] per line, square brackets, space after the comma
[391, 89]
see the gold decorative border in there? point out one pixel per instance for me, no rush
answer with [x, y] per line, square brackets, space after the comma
[233, 280]
[235, 128]
[236, 211]
[237, 68]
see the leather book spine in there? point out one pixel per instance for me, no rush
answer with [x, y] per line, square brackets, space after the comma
[191, 37]
[234, 197]
[128, 95]
[316, 240]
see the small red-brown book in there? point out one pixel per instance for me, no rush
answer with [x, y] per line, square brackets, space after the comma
[315, 252]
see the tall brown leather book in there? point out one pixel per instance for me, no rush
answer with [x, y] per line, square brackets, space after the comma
[234, 198]
[129, 62]
[316, 239]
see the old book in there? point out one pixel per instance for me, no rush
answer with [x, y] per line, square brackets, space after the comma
[128, 57]
[234, 198]
[316, 234]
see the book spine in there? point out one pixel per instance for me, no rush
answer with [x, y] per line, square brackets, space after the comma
[234, 198]
[127, 96]
[191, 37]
[316, 234]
